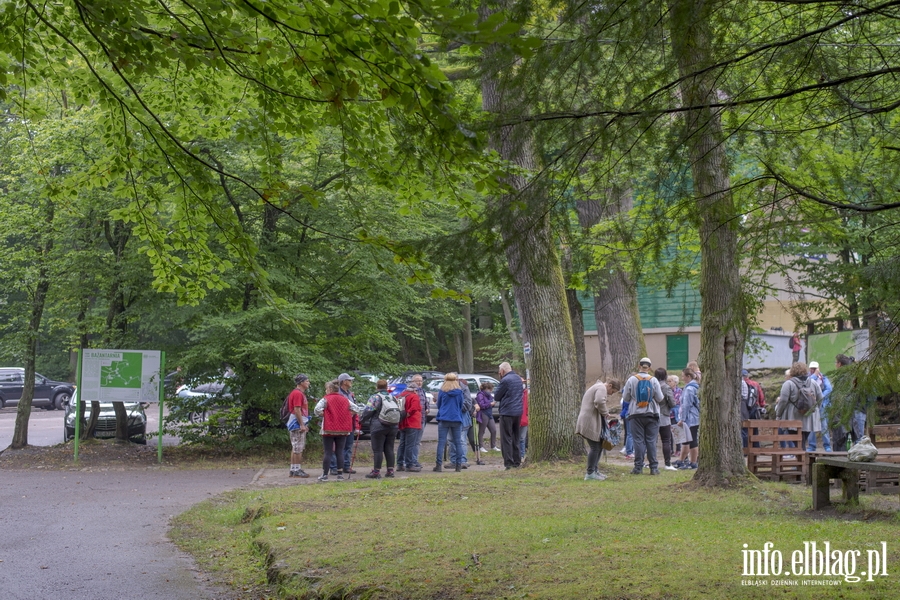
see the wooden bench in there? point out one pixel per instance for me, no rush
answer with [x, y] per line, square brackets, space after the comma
[782, 464]
[885, 436]
[887, 439]
[848, 472]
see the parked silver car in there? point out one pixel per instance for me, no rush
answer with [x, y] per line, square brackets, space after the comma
[195, 404]
[106, 420]
[433, 386]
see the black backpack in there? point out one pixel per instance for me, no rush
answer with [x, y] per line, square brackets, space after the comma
[752, 398]
[286, 409]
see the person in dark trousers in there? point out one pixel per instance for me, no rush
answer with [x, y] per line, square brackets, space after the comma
[337, 421]
[592, 421]
[345, 382]
[414, 403]
[485, 400]
[383, 431]
[666, 405]
[509, 401]
[644, 395]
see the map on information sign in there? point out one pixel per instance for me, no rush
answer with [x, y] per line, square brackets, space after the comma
[120, 375]
[125, 373]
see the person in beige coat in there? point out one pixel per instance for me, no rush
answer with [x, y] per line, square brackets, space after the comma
[591, 422]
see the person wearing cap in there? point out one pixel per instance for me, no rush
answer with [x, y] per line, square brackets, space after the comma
[825, 385]
[298, 424]
[345, 382]
[750, 412]
[643, 415]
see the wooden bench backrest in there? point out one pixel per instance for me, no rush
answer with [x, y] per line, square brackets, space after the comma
[767, 433]
[885, 436]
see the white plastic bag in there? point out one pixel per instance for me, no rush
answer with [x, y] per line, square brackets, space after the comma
[863, 450]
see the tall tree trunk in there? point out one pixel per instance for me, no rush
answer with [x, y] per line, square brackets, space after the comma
[576, 316]
[530, 248]
[723, 317]
[510, 327]
[457, 343]
[427, 348]
[485, 320]
[38, 300]
[468, 363]
[116, 323]
[619, 331]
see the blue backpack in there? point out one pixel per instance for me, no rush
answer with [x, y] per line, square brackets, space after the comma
[644, 393]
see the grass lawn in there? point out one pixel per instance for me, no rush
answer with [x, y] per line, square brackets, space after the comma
[538, 532]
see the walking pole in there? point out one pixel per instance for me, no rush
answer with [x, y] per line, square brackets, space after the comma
[353, 455]
[477, 450]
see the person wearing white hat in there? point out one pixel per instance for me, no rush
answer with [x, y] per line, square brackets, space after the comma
[643, 393]
[825, 385]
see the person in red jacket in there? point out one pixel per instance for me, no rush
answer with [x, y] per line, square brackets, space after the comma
[411, 427]
[337, 414]
[523, 424]
[297, 424]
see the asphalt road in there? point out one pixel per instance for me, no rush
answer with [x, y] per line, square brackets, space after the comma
[45, 427]
[102, 535]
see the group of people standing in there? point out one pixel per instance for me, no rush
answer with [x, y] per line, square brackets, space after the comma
[403, 417]
[458, 412]
[806, 396]
[653, 406]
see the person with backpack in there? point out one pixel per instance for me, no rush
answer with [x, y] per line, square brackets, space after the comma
[449, 418]
[338, 415]
[383, 412]
[413, 399]
[799, 401]
[297, 409]
[689, 420]
[643, 394]
[752, 400]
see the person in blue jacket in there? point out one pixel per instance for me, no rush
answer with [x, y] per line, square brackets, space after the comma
[825, 384]
[689, 416]
[449, 418]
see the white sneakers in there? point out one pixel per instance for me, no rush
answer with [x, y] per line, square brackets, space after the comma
[670, 468]
[482, 449]
[496, 449]
[596, 476]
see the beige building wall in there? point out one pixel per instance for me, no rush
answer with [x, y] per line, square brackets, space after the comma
[656, 350]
